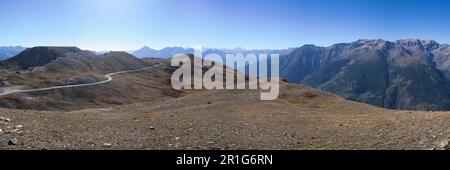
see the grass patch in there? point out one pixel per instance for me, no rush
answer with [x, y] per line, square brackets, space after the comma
[307, 102]
[299, 102]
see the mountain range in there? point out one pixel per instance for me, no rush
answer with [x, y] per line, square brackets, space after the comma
[405, 74]
[169, 52]
[10, 51]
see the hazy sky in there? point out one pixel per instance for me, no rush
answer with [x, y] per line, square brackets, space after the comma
[274, 24]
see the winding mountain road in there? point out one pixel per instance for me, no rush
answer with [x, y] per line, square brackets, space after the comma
[109, 78]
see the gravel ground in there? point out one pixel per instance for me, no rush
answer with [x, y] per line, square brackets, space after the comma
[301, 118]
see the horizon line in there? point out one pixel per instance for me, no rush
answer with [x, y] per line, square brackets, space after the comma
[205, 47]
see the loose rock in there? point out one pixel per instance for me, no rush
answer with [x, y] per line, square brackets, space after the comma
[12, 141]
[444, 144]
[107, 145]
[19, 126]
[4, 119]
[18, 131]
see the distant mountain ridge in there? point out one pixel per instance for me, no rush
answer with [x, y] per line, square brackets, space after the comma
[405, 74]
[169, 52]
[10, 51]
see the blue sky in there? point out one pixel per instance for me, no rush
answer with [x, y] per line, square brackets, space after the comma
[252, 24]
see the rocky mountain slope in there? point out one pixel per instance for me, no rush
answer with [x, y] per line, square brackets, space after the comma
[39, 56]
[406, 74]
[109, 62]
